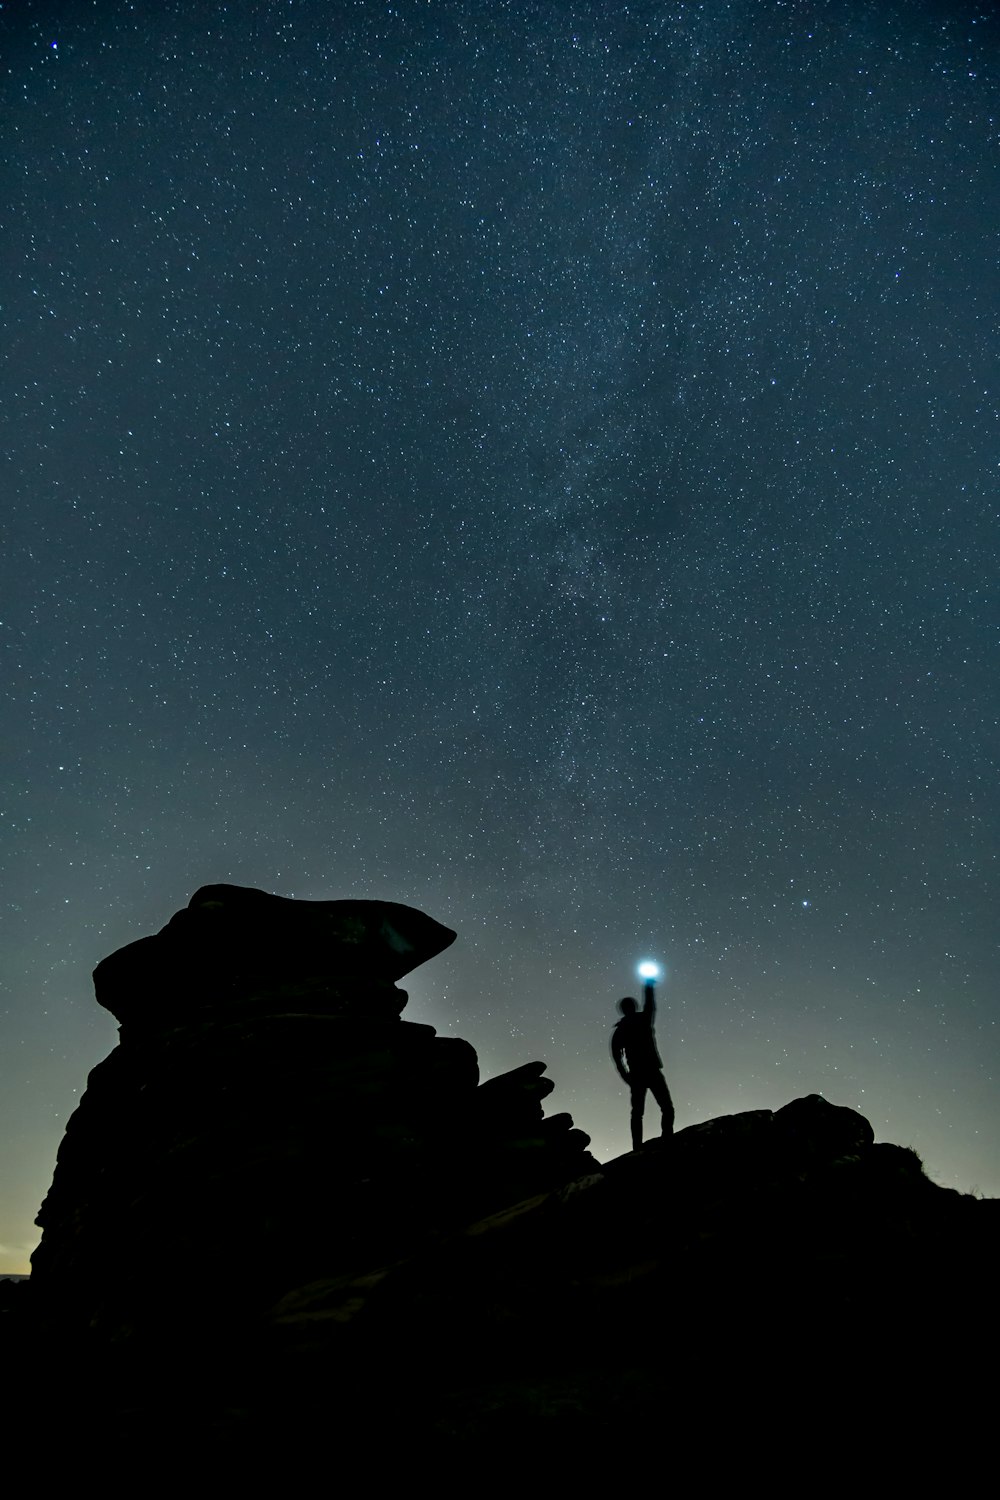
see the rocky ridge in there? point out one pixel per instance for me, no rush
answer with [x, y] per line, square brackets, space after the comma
[283, 1218]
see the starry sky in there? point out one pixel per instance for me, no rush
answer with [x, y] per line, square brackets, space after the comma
[533, 461]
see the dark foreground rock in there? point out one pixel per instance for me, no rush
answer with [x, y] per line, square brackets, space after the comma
[286, 1228]
[268, 1118]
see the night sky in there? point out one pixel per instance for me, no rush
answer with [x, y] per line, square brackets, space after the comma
[537, 462]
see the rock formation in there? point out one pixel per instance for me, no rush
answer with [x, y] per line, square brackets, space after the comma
[288, 1225]
[268, 1117]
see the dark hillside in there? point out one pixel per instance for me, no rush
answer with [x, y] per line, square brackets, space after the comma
[284, 1221]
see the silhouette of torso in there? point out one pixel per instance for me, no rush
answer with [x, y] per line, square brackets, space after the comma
[633, 1036]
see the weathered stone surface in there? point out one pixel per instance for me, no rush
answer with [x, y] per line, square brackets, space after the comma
[806, 1130]
[815, 1129]
[268, 1117]
[232, 946]
[731, 1287]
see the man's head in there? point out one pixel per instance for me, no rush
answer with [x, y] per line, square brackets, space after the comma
[628, 1006]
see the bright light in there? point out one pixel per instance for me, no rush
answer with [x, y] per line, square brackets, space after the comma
[649, 971]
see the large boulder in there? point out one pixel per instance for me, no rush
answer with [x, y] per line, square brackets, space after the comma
[232, 944]
[268, 1117]
[812, 1129]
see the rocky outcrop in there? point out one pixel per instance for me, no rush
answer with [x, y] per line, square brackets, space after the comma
[268, 1117]
[234, 952]
[717, 1304]
[288, 1225]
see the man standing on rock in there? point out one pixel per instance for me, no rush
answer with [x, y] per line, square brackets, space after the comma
[633, 1047]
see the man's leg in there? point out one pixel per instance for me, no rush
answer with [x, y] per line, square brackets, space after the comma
[660, 1092]
[638, 1108]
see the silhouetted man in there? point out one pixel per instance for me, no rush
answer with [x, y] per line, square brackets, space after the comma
[633, 1047]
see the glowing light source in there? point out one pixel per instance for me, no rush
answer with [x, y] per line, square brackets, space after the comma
[649, 971]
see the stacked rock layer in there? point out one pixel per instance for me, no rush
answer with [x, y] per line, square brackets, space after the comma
[268, 1119]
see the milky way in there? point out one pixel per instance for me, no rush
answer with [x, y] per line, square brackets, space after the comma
[536, 462]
